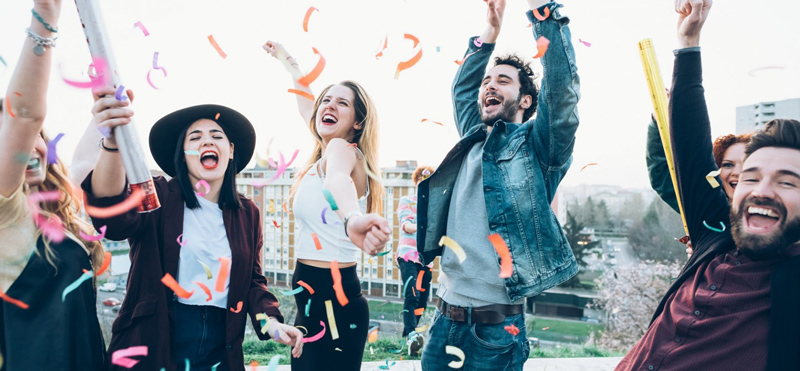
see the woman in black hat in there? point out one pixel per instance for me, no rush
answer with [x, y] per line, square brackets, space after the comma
[203, 228]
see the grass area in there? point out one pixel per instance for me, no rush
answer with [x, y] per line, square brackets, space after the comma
[573, 351]
[574, 332]
[390, 311]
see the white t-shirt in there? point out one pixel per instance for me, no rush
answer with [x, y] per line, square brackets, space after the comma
[205, 241]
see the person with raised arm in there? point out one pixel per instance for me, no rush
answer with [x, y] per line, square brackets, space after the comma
[344, 124]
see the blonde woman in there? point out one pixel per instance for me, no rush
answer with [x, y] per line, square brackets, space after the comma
[336, 179]
[43, 325]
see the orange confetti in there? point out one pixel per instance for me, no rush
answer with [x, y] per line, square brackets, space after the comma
[316, 241]
[419, 281]
[205, 289]
[337, 284]
[216, 46]
[506, 265]
[254, 365]
[11, 300]
[541, 45]
[303, 94]
[8, 104]
[238, 307]
[411, 62]
[418, 311]
[106, 212]
[460, 62]
[435, 122]
[513, 330]
[539, 16]
[224, 271]
[285, 209]
[308, 15]
[307, 286]
[587, 165]
[311, 76]
[170, 282]
[379, 54]
[106, 263]
[217, 116]
[275, 223]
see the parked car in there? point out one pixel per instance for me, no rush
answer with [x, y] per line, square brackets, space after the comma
[108, 286]
[111, 302]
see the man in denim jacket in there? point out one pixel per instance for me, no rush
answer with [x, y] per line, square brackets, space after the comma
[500, 178]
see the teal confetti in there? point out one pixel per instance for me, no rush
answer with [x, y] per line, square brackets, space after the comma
[214, 367]
[3, 61]
[715, 229]
[273, 362]
[405, 286]
[308, 307]
[352, 326]
[387, 252]
[188, 365]
[192, 152]
[331, 201]
[84, 277]
[293, 292]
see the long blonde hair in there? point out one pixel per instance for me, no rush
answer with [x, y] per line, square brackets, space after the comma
[366, 138]
[66, 208]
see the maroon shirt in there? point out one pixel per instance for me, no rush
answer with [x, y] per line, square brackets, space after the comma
[718, 320]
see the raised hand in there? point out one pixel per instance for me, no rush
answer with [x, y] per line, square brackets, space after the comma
[494, 20]
[693, 14]
[108, 112]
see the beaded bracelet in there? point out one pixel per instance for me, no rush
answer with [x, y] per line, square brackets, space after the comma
[40, 19]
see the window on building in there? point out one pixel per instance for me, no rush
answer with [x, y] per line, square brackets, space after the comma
[257, 192]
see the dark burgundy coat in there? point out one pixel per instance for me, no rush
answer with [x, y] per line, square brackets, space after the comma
[145, 317]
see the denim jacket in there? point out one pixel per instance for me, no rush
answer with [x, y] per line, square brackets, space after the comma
[522, 165]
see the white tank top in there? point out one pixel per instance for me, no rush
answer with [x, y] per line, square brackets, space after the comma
[309, 203]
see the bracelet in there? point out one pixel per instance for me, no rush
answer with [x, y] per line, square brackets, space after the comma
[41, 42]
[347, 218]
[40, 19]
[103, 146]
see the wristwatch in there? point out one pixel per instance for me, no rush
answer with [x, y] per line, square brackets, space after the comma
[347, 218]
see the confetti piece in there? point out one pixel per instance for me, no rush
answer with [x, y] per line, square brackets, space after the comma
[331, 320]
[447, 241]
[311, 76]
[264, 319]
[303, 94]
[3, 61]
[710, 177]
[384, 253]
[106, 263]
[131, 202]
[316, 241]
[52, 155]
[11, 300]
[238, 307]
[478, 42]
[121, 357]
[281, 169]
[91, 238]
[188, 365]
[308, 307]
[331, 201]
[292, 292]
[51, 227]
[150, 81]
[142, 27]
[287, 210]
[337, 284]
[405, 287]
[461, 61]
[324, 209]
[253, 365]
[205, 289]
[506, 263]
[449, 349]
[371, 351]
[170, 282]
[418, 311]
[308, 15]
[435, 122]
[192, 152]
[317, 336]
[273, 362]
[206, 268]
[216, 46]
[307, 286]
[352, 326]
[422, 328]
[120, 93]
[411, 62]
[588, 44]
[204, 184]
[224, 271]
[305, 330]
[587, 165]
[715, 229]
[213, 368]
[99, 80]
[7, 106]
[182, 242]
[397, 351]
[545, 328]
[539, 16]
[217, 116]
[419, 281]
[275, 223]
[541, 46]
[385, 43]
[85, 276]
[513, 330]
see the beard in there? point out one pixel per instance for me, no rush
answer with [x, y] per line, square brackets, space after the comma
[766, 246]
[506, 112]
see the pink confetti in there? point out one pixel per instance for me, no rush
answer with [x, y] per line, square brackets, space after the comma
[588, 44]
[99, 80]
[478, 42]
[281, 169]
[317, 336]
[94, 238]
[204, 184]
[545, 328]
[181, 241]
[120, 357]
[51, 227]
[142, 27]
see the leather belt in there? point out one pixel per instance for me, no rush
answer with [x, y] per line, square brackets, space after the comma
[489, 314]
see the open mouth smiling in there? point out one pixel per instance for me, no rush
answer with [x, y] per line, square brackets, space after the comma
[209, 159]
[761, 219]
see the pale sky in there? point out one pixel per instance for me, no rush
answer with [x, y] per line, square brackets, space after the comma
[739, 37]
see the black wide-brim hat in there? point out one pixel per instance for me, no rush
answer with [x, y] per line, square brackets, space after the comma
[165, 132]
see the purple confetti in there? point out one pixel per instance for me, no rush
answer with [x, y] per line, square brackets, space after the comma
[277, 336]
[324, 210]
[52, 156]
[120, 94]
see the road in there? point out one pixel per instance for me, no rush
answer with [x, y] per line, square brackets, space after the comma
[622, 252]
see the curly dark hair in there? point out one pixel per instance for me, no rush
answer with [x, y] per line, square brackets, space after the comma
[723, 142]
[419, 174]
[526, 77]
[783, 133]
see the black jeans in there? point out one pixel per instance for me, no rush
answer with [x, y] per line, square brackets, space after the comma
[409, 271]
[199, 336]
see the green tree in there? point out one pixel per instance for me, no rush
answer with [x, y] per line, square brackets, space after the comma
[579, 244]
[654, 236]
[603, 216]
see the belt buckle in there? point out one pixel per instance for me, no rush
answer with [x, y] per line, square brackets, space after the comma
[457, 314]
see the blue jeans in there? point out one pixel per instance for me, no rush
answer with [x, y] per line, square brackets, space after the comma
[485, 347]
[199, 336]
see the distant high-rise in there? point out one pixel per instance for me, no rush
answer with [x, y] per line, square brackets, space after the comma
[753, 117]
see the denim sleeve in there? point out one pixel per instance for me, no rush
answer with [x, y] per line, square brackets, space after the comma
[404, 212]
[658, 168]
[557, 113]
[467, 83]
